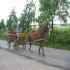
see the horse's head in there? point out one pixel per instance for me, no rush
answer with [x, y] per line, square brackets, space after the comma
[45, 27]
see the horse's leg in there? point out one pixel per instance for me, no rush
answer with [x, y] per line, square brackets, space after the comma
[30, 46]
[41, 47]
[15, 44]
[9, 44]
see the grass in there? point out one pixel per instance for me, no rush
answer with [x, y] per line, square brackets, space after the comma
[3, 36]
[58, 46]
[60, 39]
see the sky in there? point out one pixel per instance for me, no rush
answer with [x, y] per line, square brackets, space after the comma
[7, 5]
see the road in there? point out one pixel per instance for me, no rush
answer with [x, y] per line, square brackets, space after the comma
[54, 59]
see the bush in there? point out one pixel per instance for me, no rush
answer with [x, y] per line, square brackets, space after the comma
[59, 39]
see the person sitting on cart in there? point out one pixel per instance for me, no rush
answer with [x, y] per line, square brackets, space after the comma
[17, 30]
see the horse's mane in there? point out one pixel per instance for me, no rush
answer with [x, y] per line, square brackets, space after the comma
[42, 27]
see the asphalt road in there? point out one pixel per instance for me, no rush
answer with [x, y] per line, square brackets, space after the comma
[54, 59]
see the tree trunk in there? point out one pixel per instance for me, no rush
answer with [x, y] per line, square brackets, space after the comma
[52, 26]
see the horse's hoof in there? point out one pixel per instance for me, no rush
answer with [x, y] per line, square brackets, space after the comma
[43, 55]
[39, 53]
[31, 51]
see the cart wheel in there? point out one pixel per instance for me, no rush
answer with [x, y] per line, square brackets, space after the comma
[24, 46]
[15, 45]
[9, 44]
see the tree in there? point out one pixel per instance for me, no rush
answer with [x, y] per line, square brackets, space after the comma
[12, 20]
[40, 20]
[51, 8]
[28, 15]
[2, 25]
[22, 22]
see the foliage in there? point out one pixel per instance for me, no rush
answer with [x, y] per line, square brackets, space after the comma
[59, 39]
[2, 25]
[3, 35]
[12, 20]
[40, 20]
[28, 16]
[51, 8]
[58, 46]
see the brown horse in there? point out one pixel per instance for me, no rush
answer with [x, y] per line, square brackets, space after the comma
[39, 35]
[12, 37]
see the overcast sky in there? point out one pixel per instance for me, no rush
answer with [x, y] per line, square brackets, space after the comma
[7, 5]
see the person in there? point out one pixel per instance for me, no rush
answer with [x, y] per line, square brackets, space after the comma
[17, 30]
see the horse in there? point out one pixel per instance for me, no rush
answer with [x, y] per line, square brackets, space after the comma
[12, 37]
[39, 36]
